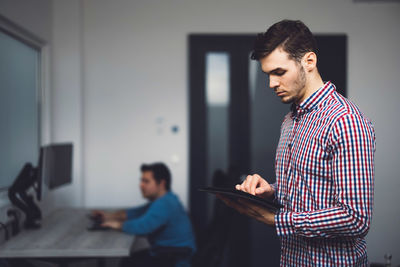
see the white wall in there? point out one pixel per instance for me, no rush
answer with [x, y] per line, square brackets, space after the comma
[135, 91]
[67, 95]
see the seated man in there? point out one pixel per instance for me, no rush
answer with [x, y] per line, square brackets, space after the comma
[163, 220]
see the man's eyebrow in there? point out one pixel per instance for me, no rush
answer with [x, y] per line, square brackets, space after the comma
[274, 71]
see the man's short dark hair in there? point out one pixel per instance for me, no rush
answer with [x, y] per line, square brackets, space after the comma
[160, 172]
[293, 36]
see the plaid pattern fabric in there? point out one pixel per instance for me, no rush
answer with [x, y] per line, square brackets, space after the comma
[324, 180]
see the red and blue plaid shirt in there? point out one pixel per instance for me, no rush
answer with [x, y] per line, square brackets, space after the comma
[325, 180]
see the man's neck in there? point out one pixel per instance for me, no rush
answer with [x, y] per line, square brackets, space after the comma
[314, 82]
[162, 193]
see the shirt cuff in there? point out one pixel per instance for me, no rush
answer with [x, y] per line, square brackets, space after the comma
[274, 185]
[284, 223]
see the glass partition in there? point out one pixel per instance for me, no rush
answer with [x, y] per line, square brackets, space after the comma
[19, 108]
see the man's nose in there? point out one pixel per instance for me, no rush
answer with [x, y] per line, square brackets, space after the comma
[273, 82]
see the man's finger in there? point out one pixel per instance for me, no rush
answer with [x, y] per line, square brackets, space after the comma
[255, 181]
[261, 190]
[245, 183]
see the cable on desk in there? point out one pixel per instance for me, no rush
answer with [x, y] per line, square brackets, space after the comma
[6, 236]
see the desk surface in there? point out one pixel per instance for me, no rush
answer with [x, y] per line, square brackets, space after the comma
[64, 234]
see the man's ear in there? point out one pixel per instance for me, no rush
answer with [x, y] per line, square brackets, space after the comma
[163, 183]
[309, 61]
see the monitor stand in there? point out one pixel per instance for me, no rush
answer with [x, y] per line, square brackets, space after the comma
[18, 195]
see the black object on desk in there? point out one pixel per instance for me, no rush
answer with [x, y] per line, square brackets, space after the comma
[94, 226]
[54, 167]
[96, 223]
[15, 221]
[237, 194]
[20, 197]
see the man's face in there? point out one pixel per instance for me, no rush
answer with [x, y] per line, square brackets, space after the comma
[286, 76]
[149, 186]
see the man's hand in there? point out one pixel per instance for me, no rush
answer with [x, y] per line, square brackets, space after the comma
[116, 225]
[249, 209]
[110, 216]
[103, 215]
[257, 186]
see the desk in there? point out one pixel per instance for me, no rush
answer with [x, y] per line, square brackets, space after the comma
[64, 235]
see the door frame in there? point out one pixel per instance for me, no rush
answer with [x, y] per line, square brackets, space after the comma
[239, 150]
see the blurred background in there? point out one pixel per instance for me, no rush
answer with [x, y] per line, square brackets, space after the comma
[131, 81]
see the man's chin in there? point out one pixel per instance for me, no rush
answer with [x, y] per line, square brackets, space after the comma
[148, 197]
[286, 100]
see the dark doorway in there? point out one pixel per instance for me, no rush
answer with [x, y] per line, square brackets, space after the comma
[235, 128]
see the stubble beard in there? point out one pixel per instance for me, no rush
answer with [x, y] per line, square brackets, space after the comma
[298, 88]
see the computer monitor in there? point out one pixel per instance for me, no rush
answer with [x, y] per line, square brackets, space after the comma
[57, 164]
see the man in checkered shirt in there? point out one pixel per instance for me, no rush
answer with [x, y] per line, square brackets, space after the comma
[324, 160]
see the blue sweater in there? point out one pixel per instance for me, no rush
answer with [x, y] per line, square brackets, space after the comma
[164, 222]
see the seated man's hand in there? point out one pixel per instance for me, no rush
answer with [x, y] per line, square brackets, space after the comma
[97, 215]
[116, 225]
[257, 186]
[101, 215]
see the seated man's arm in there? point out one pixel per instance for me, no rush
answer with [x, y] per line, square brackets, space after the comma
[152, 217]
[155, 216]
[136, 212]
[116, 219]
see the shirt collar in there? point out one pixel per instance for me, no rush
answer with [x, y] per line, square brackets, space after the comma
[313, 100]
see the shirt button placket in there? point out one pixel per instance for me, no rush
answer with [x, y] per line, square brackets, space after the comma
[287, 164]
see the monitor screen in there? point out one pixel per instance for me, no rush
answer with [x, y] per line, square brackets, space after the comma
[57, 164]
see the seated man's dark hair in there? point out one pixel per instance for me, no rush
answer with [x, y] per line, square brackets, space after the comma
[293, 36]
[160, 172]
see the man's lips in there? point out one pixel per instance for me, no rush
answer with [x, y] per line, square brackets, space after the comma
[280, 93]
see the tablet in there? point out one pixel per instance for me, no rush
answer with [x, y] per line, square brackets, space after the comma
[234, 194]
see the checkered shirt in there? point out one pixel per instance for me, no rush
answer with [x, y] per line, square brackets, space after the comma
[324, 179]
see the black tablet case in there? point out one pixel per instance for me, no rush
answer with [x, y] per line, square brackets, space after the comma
[235, 194]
